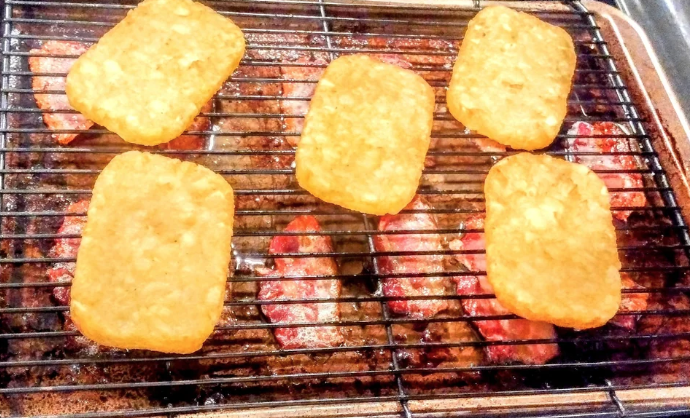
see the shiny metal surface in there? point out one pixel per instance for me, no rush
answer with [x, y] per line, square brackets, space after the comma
[667, 24]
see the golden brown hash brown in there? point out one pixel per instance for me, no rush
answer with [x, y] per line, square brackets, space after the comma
[512, 78]
[154, 256]
[366, 135]
[550, 242]
[148, 77]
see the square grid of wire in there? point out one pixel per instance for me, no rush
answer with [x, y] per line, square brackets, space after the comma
[252, 126]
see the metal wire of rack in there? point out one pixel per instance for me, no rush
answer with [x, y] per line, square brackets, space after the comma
[46, 368]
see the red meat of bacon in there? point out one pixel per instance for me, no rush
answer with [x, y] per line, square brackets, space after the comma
[498, 330]
[63, 272]
[291, 289]
[489, 145]
[305, 75]
[606, 161]
[57, 102]
[405, 287]
[393, 59]
[630, 302]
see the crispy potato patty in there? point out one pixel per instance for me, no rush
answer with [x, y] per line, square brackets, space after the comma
[154, 256]
[148, 77]
[550, 242]
[512, 78]
[366, 135]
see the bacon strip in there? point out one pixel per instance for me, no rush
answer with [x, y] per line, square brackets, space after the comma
[309, 71]
[489, 145]
[53, 102]
[404, 287]
[291, 289]
[498, 330]
[63, 272]
[606, 161]
[393, 59]
[630, 302]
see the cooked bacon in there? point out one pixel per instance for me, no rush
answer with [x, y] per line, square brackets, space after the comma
[53, 102]
[394, 60]
[498, 330]
[305, 77]
[630, 302]
[432, 356]
[291, 289]
[398, 46]
[489, 145]
[405, 287]
[63, 272]
[607, 145]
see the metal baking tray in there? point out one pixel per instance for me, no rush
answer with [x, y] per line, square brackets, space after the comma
[388, 366]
